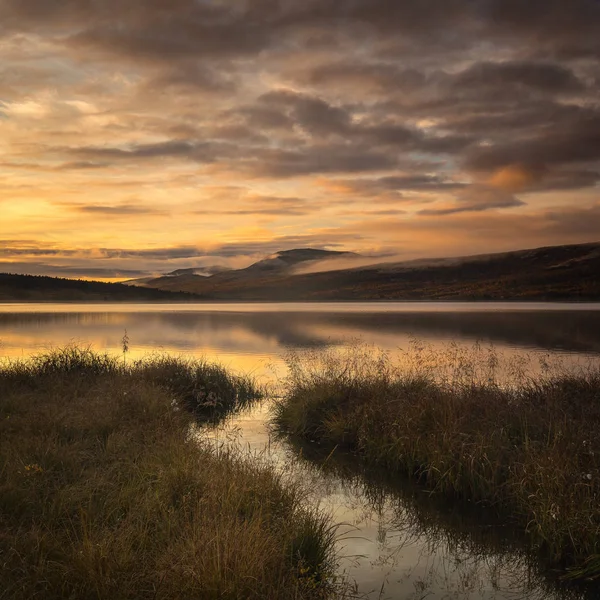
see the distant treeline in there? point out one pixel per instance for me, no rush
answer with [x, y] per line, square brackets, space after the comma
[37, 288]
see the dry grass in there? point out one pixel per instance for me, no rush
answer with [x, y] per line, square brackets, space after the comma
[104, 494]
[471, 426]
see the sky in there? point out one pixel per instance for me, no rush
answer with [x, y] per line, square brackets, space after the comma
[142, 136]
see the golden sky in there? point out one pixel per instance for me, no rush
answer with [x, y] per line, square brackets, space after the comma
[142, 136]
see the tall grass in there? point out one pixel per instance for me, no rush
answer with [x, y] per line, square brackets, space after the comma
[104, 494]
[469, 426]
[205, 389]
[480, 548]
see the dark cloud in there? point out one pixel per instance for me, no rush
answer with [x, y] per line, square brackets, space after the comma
[197, 151]
[176, 37]
[322, 119]
[166, 30]
[568, 180]
[553, 149]
[382, 77]
[189, 75]
[152, 253]
[395, 183]
[319, 159]
[9, 251]
[546, 77]
[564, 28]
[529, 117]
[265, 117]
[311, 113]
[81, 165]
[201, 42]
[263, 205]
[116, 210]
[476, 199]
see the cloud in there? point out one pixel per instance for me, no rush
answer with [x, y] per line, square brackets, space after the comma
[394, 183]
[82, 164]
[515, 177]
[167, 149]
[249, 204]
[476, 198]
[313, 114]
[464, 233]
[222, 130]
[546, 77]
[378, 77]
[553, 149]
[122, 209]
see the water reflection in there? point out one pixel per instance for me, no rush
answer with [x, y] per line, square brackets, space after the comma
[438, 546]
[252, 336]
[399, 541]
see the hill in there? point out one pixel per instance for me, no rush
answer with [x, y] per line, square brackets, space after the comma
[33, 288]
[569, 272]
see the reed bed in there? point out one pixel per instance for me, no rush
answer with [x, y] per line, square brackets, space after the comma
[471, 425]
[105, 494]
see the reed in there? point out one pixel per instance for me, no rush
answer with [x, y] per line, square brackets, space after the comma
[471, 426]
[104, 493]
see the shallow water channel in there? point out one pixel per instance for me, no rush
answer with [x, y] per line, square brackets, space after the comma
[395, 539]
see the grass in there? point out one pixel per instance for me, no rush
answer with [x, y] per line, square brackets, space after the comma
[471, 427]
[482, 550]
[105, 494]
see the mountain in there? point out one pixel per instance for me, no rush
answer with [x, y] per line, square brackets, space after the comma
[276, 266]
[202, 271]
[551, 273]
[569, 272]
[33, 288]
[286, 260]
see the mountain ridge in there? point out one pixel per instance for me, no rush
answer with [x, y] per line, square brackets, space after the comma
[568, 272]
[549, 272]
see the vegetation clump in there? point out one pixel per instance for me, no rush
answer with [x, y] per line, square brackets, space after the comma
[105, 492]
[468, 425]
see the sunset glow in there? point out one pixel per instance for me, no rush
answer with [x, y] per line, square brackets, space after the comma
[144, 136]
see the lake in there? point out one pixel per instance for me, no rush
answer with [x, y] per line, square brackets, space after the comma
[396, 540]
[252, 337]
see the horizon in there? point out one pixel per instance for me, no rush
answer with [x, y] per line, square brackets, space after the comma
[318, 265]
[146, 137]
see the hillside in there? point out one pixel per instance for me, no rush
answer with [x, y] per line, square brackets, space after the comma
[552, 273]
[32, 288]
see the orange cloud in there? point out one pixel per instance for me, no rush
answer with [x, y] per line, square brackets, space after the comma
[514, 178]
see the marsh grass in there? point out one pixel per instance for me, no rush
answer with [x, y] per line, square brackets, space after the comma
[471, 425]
[458, 539]
[105, 494]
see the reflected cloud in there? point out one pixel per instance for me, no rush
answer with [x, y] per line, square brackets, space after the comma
[245, 338]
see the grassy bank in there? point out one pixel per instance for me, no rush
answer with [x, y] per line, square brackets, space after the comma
[481, 548]
[104, 494]
[528, 446]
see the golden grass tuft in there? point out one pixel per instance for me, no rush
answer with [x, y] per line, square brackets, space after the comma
[469, 425]
[105, 494]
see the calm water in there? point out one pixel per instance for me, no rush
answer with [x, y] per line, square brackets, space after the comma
[395, 541]
[252, 337]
